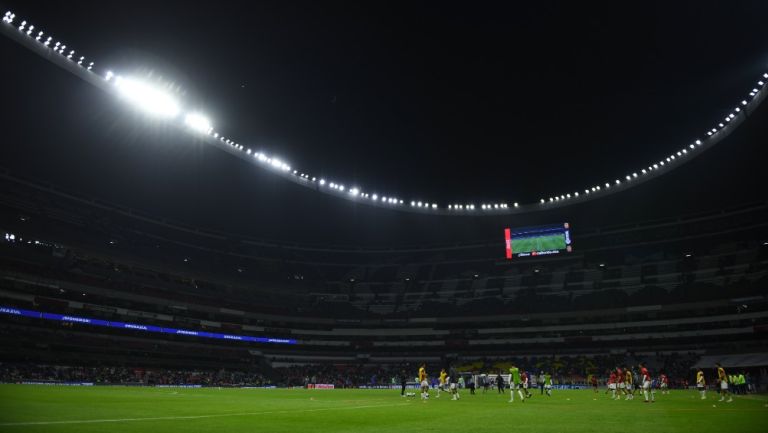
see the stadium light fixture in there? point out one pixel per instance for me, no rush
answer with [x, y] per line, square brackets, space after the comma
[162, 103]
[147, 97]
[199, 123]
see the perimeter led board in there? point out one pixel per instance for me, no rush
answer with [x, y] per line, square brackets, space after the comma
[538, 241]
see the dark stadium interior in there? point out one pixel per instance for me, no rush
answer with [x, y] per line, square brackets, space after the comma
[107, 215]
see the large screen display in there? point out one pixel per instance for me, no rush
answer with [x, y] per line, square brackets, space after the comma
[538, 241]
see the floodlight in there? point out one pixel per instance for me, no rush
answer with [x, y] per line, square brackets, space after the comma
[147, 97]
[199, 123]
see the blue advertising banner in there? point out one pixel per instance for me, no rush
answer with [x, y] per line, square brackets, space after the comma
[138, 327]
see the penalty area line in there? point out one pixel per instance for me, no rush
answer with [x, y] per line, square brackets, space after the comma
[188, 417]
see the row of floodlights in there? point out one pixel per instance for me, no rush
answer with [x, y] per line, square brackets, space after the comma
[661, 163]
[58, 47]
[158, 102]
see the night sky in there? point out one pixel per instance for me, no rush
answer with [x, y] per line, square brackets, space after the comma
[464, 102]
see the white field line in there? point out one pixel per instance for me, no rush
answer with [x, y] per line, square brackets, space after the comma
[171, 418]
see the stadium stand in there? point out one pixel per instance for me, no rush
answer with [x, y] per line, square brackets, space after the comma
[667, 292]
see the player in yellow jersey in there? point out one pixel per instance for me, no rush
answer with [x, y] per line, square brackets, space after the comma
[629, 384]
[423, 382]
[701, 384]
[723, 379]
[441, 385]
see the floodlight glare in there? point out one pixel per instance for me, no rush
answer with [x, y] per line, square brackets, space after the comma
[199, 123]
[150, 99]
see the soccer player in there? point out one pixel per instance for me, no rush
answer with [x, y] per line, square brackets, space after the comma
[723, 379]
[628, 384]
[423, 382]
[454, 384]
[403, 382]
[620, 382]
[500, 383]
[593, 380]
[701, 384]
[664, 383]
[612, 385]
[645, 377]
[441, 386]
[548, 384]
[541, 382]
[525, 381]
[514, 384]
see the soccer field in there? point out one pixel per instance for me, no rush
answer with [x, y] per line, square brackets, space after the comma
[25, 408]
[538, 243]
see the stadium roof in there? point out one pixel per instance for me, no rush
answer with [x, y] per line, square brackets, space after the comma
[476, 104]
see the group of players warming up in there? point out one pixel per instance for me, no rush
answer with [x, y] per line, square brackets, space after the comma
[452, 380]
[722, 384]
[623, 383]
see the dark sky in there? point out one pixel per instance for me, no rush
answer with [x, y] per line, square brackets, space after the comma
[469, 101]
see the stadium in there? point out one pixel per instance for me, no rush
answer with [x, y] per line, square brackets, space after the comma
[333, 216]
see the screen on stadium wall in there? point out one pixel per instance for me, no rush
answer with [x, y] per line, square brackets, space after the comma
[538, 241]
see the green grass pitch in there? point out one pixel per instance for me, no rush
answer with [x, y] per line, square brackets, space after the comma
[540, 243]
[26, 409]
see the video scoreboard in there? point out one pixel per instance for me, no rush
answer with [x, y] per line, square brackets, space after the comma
[538, 241]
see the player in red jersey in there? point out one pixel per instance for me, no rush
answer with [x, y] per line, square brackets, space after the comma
[612, 385]
[524, 380]
[664, 383]
[645, 379]
[593, 381]
[620, 382]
